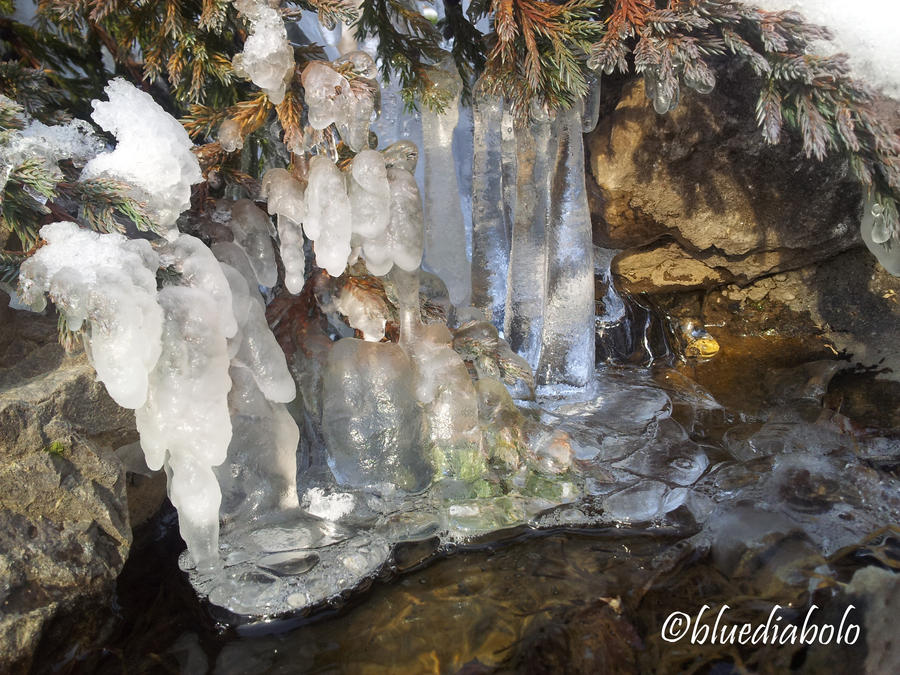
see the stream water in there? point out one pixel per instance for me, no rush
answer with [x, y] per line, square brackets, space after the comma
[778, 486]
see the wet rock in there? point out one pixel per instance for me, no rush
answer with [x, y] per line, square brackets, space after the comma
[878, 590]
[849, 302]
[718, 230]
[64, 527]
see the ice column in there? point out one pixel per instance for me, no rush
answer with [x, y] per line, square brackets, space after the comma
[526, 282]
[490, 228]
[567, 336]
[185, 425]
[445, 232]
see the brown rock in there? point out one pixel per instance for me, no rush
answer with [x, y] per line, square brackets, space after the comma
[703, 176]
[665, 269]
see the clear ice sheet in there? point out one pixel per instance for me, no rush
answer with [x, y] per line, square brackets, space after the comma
[614, 454]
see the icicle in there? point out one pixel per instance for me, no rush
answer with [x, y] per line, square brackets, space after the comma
[591, 103]
[490, 234]
[185, 422]
[525, 288]
[879, 232]
[285, 197]
[402, 241]
[328, 220]
[370, 194]
[445, 233]
[406, 290]
[253, 232]
[567, 338]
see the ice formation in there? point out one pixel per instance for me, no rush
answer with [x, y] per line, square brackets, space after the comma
[567, 336]
[73, 140]
[865, 30]
[328, 218]
[371, 420]
[331, 98]
[370, 195]
[253, 231]
[523, 318]
[267, 59]
[286, 198]
[153, 152]
[124, 322]
[230, 136]
[490, 219]
[195, 360]
[445, 234]
[403, 241]
[881, 241]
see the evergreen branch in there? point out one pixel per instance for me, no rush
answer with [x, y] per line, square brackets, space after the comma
[407, 41]
[468, 48]
[289, 112]
[10, 261]
[105, 203]
[30, 185]
[330, 12]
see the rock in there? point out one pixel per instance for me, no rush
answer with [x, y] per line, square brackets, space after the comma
[850, 301]
[64, 526]
[728, 237]
[664, 269]
[878, 590]
[703, 177]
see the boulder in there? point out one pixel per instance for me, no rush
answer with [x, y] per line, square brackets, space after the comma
[64, 523]
[728, 236]
[702, 177]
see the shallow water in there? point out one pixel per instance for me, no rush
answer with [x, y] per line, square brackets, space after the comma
[785, 500]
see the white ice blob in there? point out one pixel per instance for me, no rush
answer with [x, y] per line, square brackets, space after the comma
[153, 152]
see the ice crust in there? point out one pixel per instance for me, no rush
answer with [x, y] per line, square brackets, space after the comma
[73, 140]
[152, 153]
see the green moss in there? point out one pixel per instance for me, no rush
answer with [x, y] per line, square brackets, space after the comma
[56, 448]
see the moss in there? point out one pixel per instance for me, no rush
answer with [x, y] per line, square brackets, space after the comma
[56, 448]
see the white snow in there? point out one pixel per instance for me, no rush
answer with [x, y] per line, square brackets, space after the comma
[866, 30]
